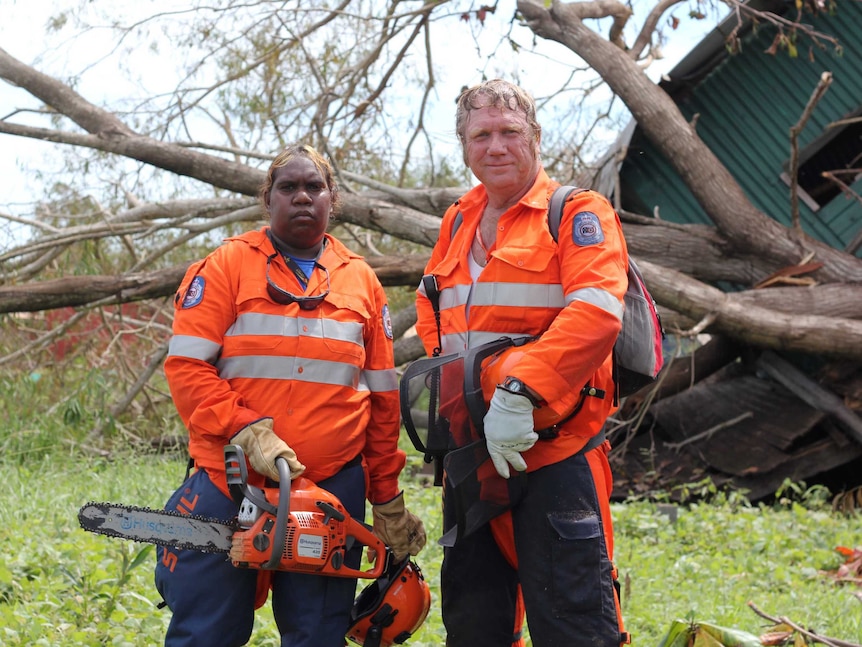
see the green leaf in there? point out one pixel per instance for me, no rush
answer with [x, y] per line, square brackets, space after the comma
[731, 637]
[677, 635]
[142, 555]
[5, 575]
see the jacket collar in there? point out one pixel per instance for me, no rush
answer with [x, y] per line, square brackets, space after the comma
[536, 198]
[334, 253]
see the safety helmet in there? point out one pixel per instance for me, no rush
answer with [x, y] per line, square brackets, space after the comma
[390, 609]
[500, 365]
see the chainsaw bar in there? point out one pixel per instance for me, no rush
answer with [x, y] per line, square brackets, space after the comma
[162, 527]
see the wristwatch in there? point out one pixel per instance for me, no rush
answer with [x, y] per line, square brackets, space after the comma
[514, 385]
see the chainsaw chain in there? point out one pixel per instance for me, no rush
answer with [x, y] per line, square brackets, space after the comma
[182, 545]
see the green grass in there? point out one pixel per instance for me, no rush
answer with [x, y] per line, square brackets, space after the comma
[60, 585]
[716, 558]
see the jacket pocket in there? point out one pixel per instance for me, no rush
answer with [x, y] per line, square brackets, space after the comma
[538, 258]
[342, 330]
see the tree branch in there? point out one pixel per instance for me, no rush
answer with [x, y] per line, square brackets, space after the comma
[649, 26]
[757, 326]
[795, 130]
[778, 620]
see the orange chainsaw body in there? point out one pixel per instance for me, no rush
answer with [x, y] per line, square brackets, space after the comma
[310, 532]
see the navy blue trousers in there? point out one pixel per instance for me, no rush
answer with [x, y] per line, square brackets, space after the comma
[563, 568]
[213, 602]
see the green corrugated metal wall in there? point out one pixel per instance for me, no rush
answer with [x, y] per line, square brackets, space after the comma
[746, 107]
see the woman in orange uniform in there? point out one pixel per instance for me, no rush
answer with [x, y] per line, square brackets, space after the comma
[282, 344]
[502, 274]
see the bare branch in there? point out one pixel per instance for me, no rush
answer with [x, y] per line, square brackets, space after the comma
[709, 432]
[119, 407]
[778, 620]
[649, 26]
[795, 130]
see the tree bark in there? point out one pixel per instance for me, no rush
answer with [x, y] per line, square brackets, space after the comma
[757, 326]
[75, 291]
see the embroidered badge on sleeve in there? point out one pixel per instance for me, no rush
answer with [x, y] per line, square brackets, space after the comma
[587, 230]
[195, 293]
[387, 321]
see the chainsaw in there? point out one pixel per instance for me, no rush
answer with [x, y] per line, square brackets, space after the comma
[297, 526]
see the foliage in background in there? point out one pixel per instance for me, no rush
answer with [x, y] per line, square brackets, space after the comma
[702, 561]
[699, 562]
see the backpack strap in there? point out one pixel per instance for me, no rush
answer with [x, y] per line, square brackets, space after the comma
[429, 282]
[456, 223]
[556, 205]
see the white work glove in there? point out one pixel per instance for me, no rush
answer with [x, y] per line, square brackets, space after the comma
[262, 447]
[509, 430]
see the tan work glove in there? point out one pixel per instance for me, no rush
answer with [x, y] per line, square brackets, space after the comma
[398, 528]
[262, 447]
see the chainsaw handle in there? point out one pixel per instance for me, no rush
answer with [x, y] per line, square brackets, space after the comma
[363, 534]
[280, 535]
[236, 474]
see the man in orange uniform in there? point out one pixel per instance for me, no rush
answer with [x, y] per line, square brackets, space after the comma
[502, 274]
[283, 345]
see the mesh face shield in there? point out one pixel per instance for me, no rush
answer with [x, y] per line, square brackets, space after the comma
[443, 408]
[432, 404]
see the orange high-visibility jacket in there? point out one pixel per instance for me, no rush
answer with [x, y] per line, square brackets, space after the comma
[570, 293]
[325, 376]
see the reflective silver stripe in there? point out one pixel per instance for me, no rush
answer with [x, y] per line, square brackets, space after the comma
[255, 323]
[194, 348]
[453, 343]
[519, 295]
[380, 381]
[599, 298]
[455, 296]
[526, 295]
[300, 369]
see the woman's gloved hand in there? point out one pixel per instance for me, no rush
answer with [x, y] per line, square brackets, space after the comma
[509, 430]
[262, 447]
[398, 528]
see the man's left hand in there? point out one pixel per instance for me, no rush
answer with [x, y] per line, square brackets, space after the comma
[509, 430]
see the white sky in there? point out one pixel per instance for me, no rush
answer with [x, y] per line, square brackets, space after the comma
[23, 34]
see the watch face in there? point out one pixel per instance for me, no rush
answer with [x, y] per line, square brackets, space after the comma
[514, 385]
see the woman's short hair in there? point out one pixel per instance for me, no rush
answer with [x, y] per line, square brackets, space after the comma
[303, 150]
